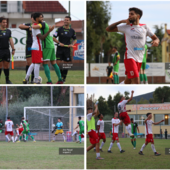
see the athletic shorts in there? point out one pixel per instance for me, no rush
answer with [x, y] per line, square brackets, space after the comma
[5, 55]
[81, 131]
[143, 66]
[115, 136]
[102, 136]
[11, 133]
[24, 132]
[37, 56]
[132, 68]
[49, 54]
[124, 117]
[28, 51]
[59, 131]
[63, 53]
[135, 136]
[82, 135]
[108, 74]
[149, 138]
[116, 68]
[20, 130]
[93, 137]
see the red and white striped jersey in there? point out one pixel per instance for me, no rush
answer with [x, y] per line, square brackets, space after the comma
[101, 125]
[9, 124]
[148, 127]
[135, 39]
[122, 106]
[115, 129]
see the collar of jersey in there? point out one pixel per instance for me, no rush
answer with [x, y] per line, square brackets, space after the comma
[68, 28]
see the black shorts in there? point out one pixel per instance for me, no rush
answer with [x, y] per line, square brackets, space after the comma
[5, 55]
[108, 74]
[28, 51]
[63, 53]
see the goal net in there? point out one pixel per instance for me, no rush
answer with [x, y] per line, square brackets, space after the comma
[43, 119]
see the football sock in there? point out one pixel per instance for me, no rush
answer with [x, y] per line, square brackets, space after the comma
[36, 72]
[111, 144]
[64, 137]
[65, 73]
[7, 137]
[20, 137]
[94, 148]
[80, 138]
[143, 146]
[118, 144]
[47, 72]
[26, 137]
[57, 70]
[12, 139]
[27, 67]
[54, 137]
[135, 143]
[101, 145]
[112, 81]
[115, 79]
[145, 78]
[32, 76]
[6, 72]
[128, 128]
[16, 138]
[32, 138]
[141, 78]
[107, 80]
[17, 132]
[61, 71]
[153, 148]
[74, 133]
[132, 143]
[98, 155]
[31, 68]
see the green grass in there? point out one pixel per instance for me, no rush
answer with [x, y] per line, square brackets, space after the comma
[39, 155]
[17, 76]
[130, 159]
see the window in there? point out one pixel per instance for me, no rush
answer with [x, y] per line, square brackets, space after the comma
[138, 118]
[167, 119]
[80, 102]
[3, 6]
[159, 117]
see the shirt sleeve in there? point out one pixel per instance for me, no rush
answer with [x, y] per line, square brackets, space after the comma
[113, 121]
[98, 122]
[122, 28]
[74, 35]
[117, 54]
[10, 34]
[56, 33]
[149, 32]
[42, 25]
[89, 116]
[61, 124]
[37, 31]
[125, 101]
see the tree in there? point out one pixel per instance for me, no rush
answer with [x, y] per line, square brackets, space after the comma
[143, 101]
[103, 106]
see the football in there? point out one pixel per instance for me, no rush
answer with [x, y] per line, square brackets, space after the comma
[40, 79]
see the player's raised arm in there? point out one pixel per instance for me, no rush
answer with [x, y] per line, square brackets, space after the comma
[156, 123]
[95, 111]
[113, 27]
[131, 96]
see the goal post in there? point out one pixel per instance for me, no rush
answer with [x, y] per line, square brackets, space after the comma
[42, 119]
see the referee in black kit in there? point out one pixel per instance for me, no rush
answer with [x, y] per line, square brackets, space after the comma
[5, 39]
[28, 28]
[66, 36]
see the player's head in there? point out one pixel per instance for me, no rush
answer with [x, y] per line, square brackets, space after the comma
[59, 119]
[135, 14]
[109, 63]
[149, 115]
[89, 110]
[100, 116]
[32, 18]
[27, 120]
[8, 118]
[67, 21]
[0, 120]
[114, 49]
[22, 118]
[131, 120]
[116, 115]
[3, 22]
[79, 117]
[38, 17]
[122, 98]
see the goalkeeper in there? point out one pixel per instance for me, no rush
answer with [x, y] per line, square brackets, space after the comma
[59, 127]
[80, 124]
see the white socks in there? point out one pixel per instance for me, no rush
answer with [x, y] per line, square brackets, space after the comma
[31, 68]
[98, 155]
[118, 144]
[74, 133]
[101, 145]
[64, 137]
[143, 146]
[7, 137]
[153, 148]
[36, 72]
[54, 138]
[128, 128]
[12, 138]
[111, 144]
[16, 138]
[18, 132]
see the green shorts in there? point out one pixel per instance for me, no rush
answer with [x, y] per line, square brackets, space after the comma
[143, 66]
[116, 68]
[133, 137]
[0, 131]
[81, 131]
[25, 132]
[49, 54]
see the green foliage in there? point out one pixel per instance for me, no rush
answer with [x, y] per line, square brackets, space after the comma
[143, 101]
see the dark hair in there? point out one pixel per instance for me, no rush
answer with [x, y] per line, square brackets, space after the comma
[99, 115]
[131, 119]
[89, 108]
[2, 18]
[148, 114]
[59, 118]
[37, 15]
[120, 98]
[137, 11]
[68, 17]
[115, 48]
[23, 118]
[79, 117]
[27, 120]
[8, 117]
[32, 15]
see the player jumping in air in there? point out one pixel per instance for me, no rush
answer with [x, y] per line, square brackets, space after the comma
[149, 136]
[115, 130]
[93, 137]
[59, 127]
[9, 129]
[115, 60]
[123, 113]
[80, 124]
[135, 38]
[143, 77]
[109, 71]
[134, 128]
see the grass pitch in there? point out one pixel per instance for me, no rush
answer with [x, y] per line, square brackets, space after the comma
[17, 76]
[39, 155]
[130, 159]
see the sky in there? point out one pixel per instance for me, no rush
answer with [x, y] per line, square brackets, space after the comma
[105, 91]
[77, 9]
[154, 12]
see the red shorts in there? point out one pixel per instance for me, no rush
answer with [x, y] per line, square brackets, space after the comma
[132, 68]
[37, 56]
[115, 136]
[20, 130]
[149, 138]
[93, 137]
[124, 117]
[82, 136]
[102, 136]
[11, 133]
